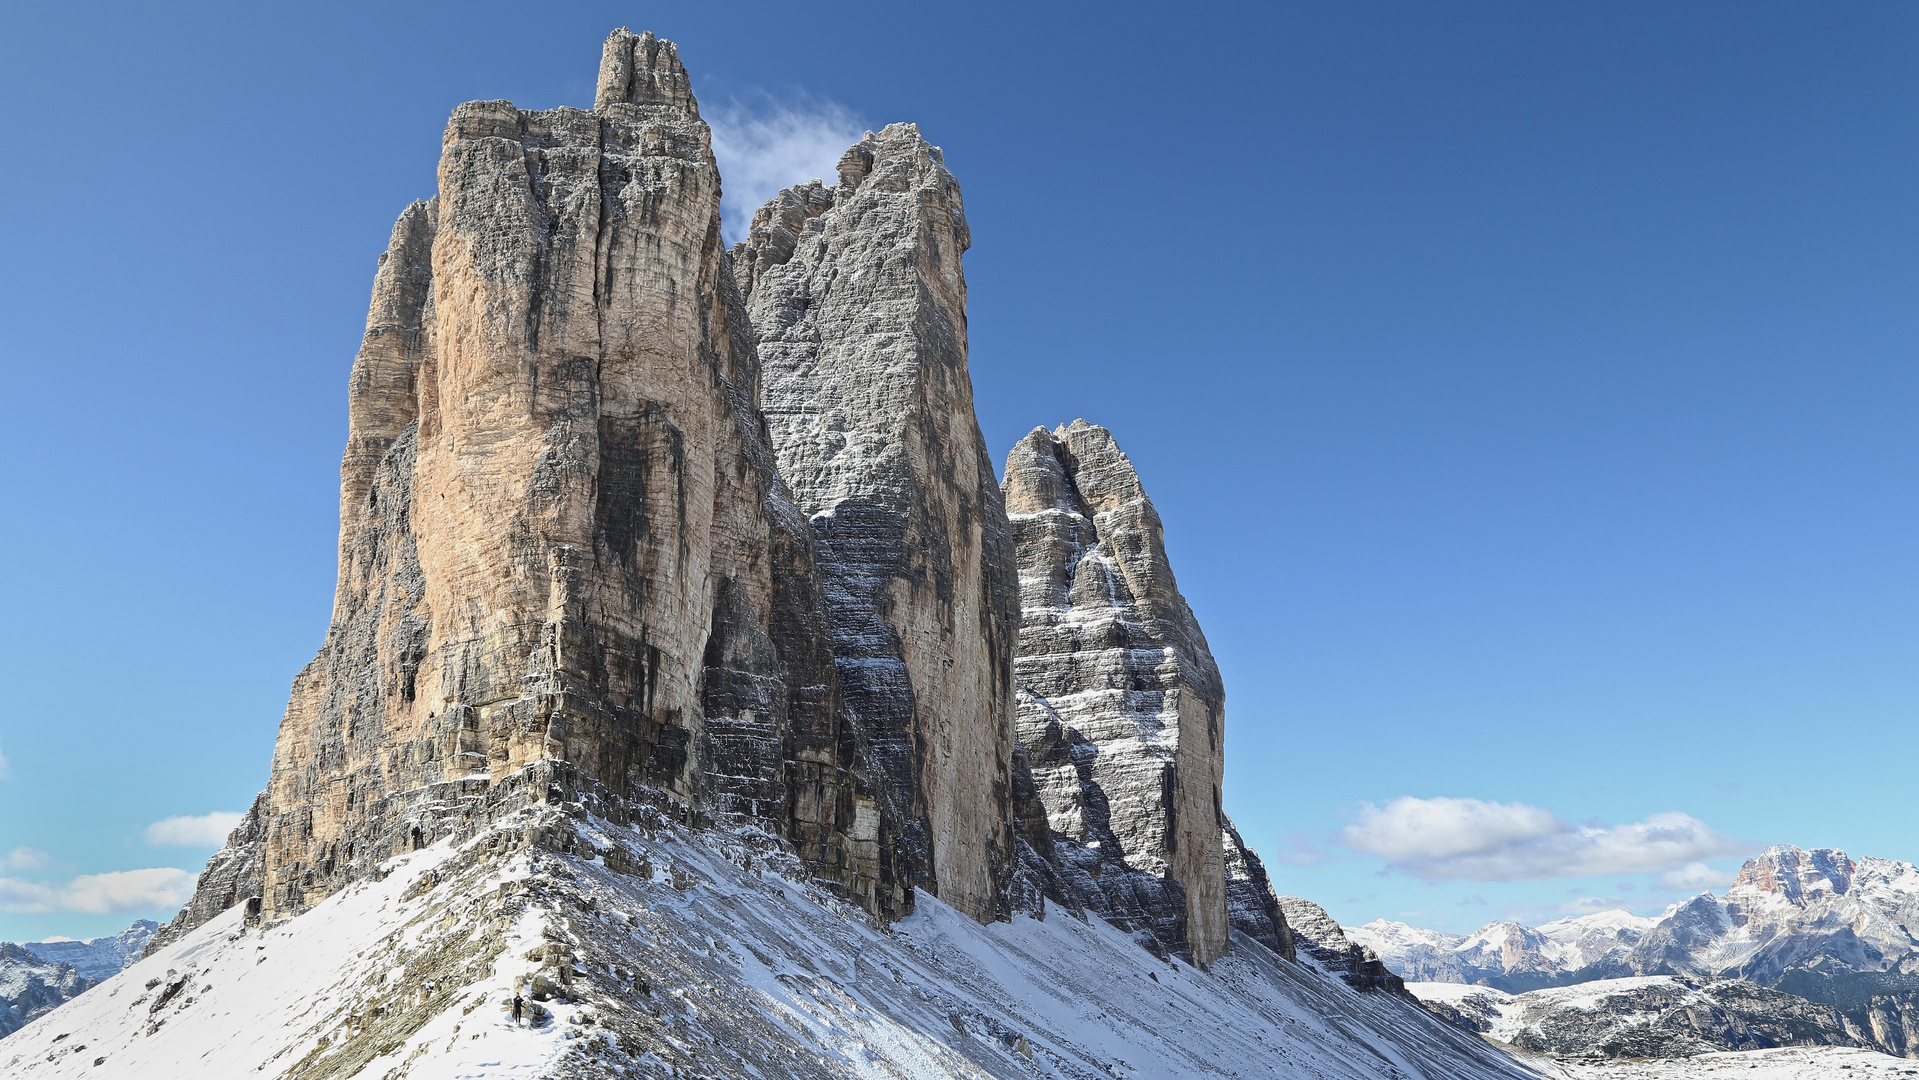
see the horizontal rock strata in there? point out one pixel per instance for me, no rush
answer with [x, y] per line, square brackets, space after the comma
[1251, 905]
[720, 529]
[859, 303]
[1121, 708]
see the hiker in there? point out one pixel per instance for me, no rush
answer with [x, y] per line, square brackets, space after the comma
[518, 1004]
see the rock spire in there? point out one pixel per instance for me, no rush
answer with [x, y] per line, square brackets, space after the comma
[564, 543]
[1121, 708]
[859, 303]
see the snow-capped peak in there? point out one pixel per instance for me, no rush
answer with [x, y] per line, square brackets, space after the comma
[1612, 920]
[1382, 934]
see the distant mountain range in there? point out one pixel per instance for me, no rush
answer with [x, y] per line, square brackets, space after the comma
[39, 976]
[1832, 936]
[1507, 955]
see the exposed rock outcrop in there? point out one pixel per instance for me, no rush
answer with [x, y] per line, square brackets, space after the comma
[1251, 904]
[1815, 927]
[1816, 923]
[1640, 1017]
[1318, 936]
[859, 303]
[646, 659]
[235, 874]
[1121, 708]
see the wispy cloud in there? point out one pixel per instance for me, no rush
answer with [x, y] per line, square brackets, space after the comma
[5, 769]
[1298, 849]
[767, 143]
[156, 889]
[205, 830]
[25, 860]
[1695, 877]
[1446, 839]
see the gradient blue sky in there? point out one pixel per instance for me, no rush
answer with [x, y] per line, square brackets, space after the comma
[1528, 390]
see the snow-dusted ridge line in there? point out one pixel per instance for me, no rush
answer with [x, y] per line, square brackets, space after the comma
[705, 957]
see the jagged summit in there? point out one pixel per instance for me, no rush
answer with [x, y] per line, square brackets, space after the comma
[1797, 874]
[640, 69]
[1815, 937]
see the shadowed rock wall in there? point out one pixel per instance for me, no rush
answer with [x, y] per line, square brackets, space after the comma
[1120, 704]
[859, 304]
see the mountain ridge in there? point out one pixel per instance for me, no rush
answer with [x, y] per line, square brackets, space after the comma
[1815, 924]
[37, 977]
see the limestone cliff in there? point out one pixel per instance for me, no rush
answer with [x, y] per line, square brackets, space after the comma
[563, 536]
[719, 531]
[1120, 704]
[859, 303]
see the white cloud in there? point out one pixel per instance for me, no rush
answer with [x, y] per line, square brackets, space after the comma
[25, 859]
[155, 889]
[1446, 839]
[4, 768]
[775, 143]
[1298, 849]
[1695, 877]
[206, 830]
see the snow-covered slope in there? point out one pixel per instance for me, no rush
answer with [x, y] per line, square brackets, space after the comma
[40, 976]
[1590, 941]
[663, 951]
[1816, 913]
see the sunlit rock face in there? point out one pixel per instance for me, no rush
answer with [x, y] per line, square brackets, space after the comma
[859, 303]
[1120, 704]
[563, 536]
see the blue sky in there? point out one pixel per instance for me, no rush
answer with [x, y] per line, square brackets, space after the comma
[1528, 391]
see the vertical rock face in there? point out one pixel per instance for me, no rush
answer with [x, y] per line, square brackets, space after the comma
[859, 304]
[563, 537]
[621, 510]
[1120, 703]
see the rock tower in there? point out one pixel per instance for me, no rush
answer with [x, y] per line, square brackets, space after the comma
[1121, 710]
[564, 542]
[859, 302]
